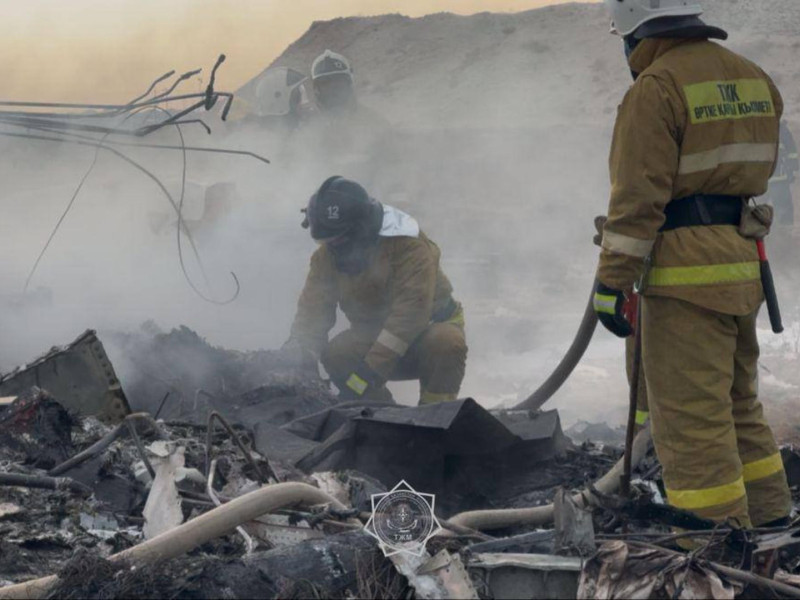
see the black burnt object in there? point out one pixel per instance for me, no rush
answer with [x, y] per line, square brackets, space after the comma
[457, 450]
[36, 430]
[80, 375]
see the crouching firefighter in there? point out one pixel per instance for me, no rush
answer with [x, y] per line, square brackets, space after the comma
[384, 274]
[696, 137]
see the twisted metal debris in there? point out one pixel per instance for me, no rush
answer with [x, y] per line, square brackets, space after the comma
[91, 125]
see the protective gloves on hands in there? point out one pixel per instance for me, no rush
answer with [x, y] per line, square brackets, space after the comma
[616, 310]
[363, 380]
[611, 307]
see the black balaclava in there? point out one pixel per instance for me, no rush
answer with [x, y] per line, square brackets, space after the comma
[353, 254]
[342, 216]
[629, 43]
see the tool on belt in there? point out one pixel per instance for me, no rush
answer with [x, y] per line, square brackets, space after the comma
[753, 221]
[768, 284]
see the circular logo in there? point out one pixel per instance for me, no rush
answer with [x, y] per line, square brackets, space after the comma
[403, 520]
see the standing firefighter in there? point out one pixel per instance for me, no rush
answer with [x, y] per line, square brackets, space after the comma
[696, 137]
[384, 273]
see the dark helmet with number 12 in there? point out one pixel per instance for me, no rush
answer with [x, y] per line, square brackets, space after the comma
[341, 210]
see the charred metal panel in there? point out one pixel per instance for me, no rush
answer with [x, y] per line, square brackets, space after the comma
[80, 375]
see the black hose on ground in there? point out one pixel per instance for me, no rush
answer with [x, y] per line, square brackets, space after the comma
[44, 483]
[568, 363]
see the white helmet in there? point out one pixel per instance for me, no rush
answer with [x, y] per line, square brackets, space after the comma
[628, 15]
[330, 63]
[277, 92]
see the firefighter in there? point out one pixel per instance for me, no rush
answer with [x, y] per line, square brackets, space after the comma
[780, 184]
[340, 133]
[695, 138]
[376, 265]
[332, 80]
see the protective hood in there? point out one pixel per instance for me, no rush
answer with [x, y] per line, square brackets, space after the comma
[679, 27]
[647, 51]
[396, 223]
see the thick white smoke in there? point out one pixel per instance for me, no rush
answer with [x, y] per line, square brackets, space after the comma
[496, 137]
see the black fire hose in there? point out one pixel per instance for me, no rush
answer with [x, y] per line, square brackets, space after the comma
[45, 483]
[568, 363]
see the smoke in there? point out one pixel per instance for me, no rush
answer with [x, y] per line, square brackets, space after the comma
[492, 131]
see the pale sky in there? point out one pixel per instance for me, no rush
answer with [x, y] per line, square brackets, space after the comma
[109, 50]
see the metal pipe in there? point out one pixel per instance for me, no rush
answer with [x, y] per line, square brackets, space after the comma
[153, 85]
[184, 77]
[236, 440]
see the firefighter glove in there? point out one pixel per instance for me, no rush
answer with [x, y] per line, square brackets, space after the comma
[609, 304]
[363, 380]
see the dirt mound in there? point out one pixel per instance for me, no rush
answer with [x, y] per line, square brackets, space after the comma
[545, 66]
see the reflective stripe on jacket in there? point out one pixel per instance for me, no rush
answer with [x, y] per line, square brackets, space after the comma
[393, 300]
[698, 120]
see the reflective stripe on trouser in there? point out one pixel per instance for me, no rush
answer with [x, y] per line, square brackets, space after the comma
[437, 358]
[716, 449]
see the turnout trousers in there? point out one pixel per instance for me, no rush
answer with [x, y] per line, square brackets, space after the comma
[718, 453]
[437, 358]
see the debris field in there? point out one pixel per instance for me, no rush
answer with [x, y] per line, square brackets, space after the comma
[258, 484]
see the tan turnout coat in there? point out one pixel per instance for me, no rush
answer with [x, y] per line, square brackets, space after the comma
[393, 301]
[699, 119]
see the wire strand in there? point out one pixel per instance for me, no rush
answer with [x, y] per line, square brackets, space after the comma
[100, 145]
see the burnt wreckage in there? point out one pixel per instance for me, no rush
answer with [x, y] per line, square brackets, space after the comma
[242, 479]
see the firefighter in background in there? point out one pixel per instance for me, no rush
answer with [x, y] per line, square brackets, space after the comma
[695, 138]
[280, 95]
[378, 267]
[334, 91]
[332, 81]
[341, 133]
[276, 103]
[779, 193]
